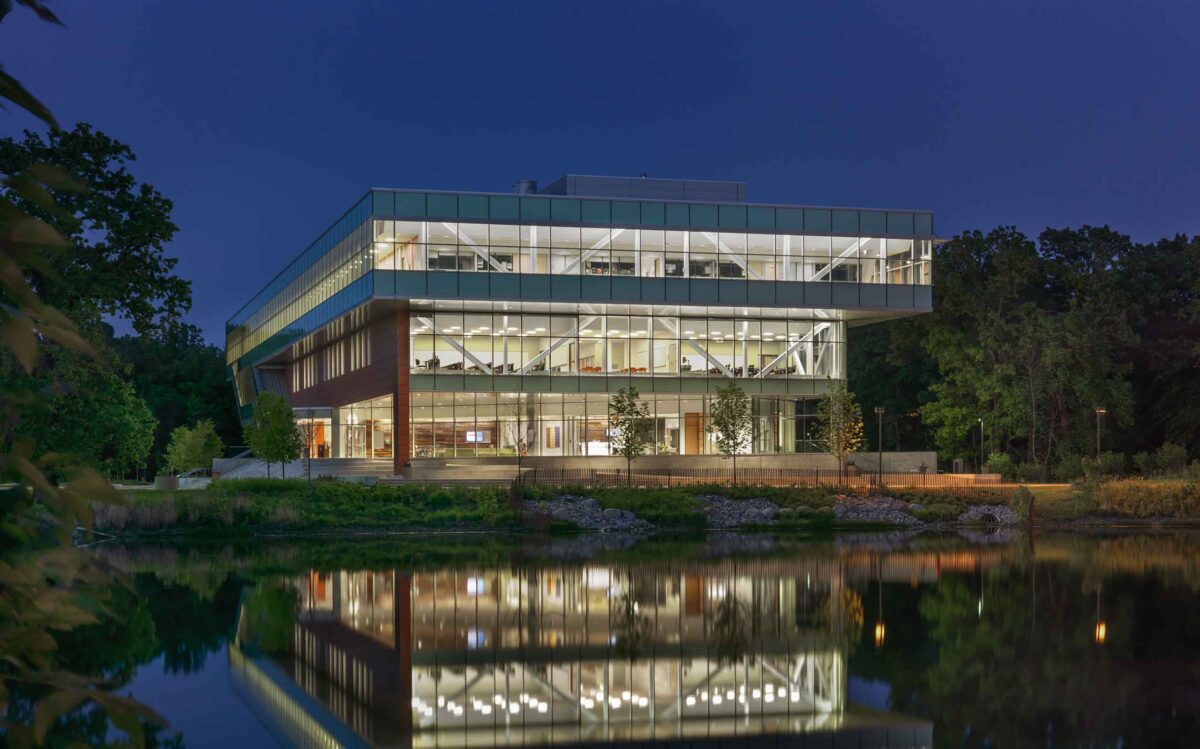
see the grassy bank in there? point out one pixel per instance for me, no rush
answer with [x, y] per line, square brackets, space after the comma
[1145, 498]
[294, 504]
[275, 505]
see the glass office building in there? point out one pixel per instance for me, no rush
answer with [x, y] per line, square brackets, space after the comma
[473, 325]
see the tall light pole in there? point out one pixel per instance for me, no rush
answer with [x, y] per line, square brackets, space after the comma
[981, 458]
[879, 411]
[1100, 411]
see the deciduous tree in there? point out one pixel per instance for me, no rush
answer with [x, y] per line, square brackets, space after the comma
[272, 434]
[628, 415]
[839, 423]
[731, 421]
[193, 447]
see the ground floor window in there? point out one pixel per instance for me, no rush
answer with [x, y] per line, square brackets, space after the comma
[316, 426]
[357, 430]
[576, 424]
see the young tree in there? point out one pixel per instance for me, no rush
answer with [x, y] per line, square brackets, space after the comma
[628, 415]
[272, 433]
[731, 421]
[193, 448]
[839, 423]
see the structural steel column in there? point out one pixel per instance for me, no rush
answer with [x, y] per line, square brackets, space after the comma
[401, 424]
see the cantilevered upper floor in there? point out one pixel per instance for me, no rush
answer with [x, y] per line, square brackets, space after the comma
[595, 240]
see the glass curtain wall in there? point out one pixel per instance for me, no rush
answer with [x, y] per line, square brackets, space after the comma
[364, 430]
[604, 344]
[572, 250]
[577, 424]
[613, 251]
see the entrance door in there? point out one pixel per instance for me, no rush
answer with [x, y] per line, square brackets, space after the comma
[356, 441]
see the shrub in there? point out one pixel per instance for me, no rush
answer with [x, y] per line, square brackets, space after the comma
[663, 507]
[1171, 459]
[1002, 464]
[1022, 503]
[1069, 468]
[1027, 473]
[1107, 464]
[1145, 463]
[1142, 499]
[939, 512]
[1193, 471]
[784, 496]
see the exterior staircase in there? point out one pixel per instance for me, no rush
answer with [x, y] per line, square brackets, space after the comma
[350, 468]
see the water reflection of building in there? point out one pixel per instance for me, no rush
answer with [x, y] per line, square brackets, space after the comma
[570, 655]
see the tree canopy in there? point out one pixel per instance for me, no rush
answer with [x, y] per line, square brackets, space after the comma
[182, 379]
[118, 229]
[1033, 336]
[193, 447]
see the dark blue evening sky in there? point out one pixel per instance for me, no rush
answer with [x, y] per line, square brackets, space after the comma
[264, 121]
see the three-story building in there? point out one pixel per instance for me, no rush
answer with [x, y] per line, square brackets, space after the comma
[429, 324]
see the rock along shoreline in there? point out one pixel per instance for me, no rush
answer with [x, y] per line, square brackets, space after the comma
[723, 513]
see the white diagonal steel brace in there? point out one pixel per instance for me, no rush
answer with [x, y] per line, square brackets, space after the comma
[790, 349]
[567, 697]
[591, 251]
[698, 348]
[702, 684]
[566, 338]
[841, 258]
[736, 258]
[480, 251]
[455, 345]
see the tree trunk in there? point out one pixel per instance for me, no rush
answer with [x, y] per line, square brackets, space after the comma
[268, 469]
[283, 468]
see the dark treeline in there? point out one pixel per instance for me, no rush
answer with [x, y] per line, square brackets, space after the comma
[115, 406]
[1032, 337]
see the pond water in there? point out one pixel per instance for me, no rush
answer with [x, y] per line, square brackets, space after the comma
[860, 640]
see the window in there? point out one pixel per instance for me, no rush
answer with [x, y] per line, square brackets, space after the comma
[360, 350]
[304, 373]
[335, 360]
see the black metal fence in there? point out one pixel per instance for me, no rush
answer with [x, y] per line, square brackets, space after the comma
[779, 477]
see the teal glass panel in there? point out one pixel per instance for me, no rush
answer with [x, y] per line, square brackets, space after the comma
[899, 223]
[845, 222]
[677, 214]
[564, 210]
[760, 217]
[817, 220]
[732, 217]
[626, 213]
[473, 206]
[383, 203]
[923, 223]
[789, 219]
[872, 223]
[504, 208]
[654, 214]
[596, 212]
[443, 205]
[535, 209]
[410, 204]
[703, 215]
